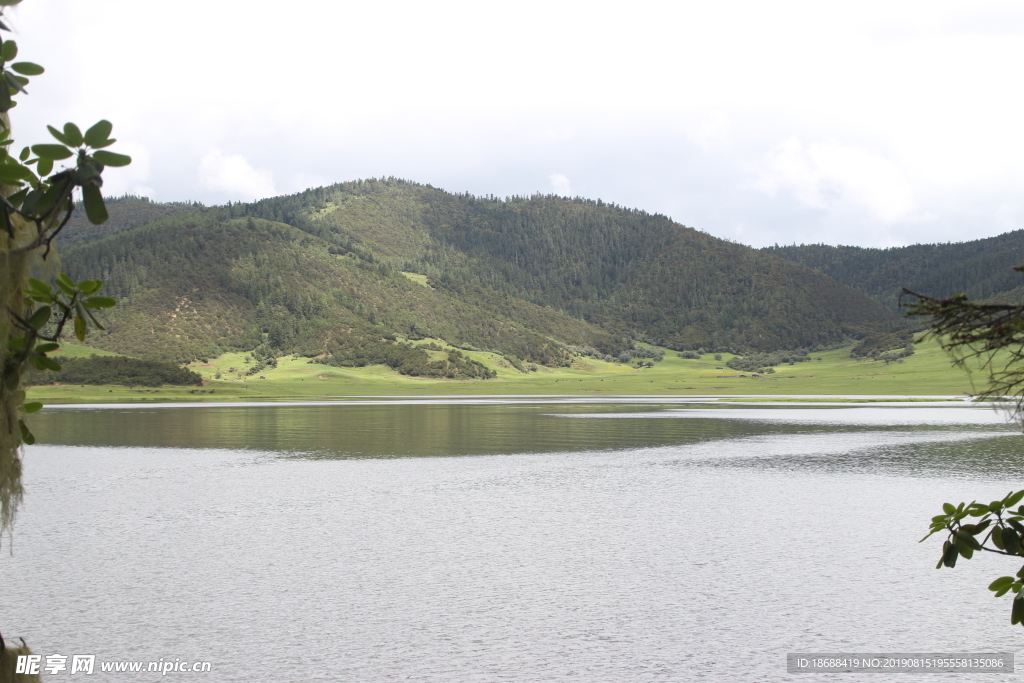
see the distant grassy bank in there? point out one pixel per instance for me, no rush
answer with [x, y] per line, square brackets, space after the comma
[927, 372]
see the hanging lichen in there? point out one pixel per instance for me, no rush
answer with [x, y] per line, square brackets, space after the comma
[13, 271]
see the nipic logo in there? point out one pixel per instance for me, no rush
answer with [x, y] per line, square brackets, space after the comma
[86, 664]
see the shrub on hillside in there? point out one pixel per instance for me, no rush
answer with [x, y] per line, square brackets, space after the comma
[757, 362]
[119, 370]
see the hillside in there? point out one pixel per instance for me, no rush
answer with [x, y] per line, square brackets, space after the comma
[348, 268]
[126, 213]
[982, 269]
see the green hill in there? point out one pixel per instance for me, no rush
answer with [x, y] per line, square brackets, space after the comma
[125, 212]
[982, 269]
[345, 269]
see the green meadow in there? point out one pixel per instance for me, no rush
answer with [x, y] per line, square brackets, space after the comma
[928, 372]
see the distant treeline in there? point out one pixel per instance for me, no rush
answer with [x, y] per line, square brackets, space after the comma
[982, 269]
[118, 370]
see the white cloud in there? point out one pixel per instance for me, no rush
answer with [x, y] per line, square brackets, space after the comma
[831, 176]
[900, 120]
[560, 184]
[232, 175]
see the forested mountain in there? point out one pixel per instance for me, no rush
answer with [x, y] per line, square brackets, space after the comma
[125, 213]
[982, 269]
[344, 268]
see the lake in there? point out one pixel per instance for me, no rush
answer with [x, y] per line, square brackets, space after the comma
[526, 539]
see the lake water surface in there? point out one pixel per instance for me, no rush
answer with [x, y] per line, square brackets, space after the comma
[523, 540]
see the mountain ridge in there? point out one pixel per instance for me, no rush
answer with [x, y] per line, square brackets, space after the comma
[538, 278]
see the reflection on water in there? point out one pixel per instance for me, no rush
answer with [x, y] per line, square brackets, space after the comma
[390, 429]
[595, 543]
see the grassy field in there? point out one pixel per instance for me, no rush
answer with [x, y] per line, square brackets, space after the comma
[927, 372]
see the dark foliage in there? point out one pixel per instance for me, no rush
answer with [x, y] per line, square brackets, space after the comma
[761, 361]
[119, 370]
[125, 213]
[889, 347]
[350, 351]
[981, 269]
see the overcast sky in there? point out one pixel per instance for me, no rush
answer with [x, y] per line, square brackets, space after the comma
[868, 123]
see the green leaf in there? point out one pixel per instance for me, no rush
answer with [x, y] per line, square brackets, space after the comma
[5, 98]
[18, 197]
[47, 347]
[87, 174]
[13, 173]
[27, 68]
[967, 539]
[111, 158]
[51, 198]
[950, 555]
[95, 209]
[33, 407]
[65, 284]
[9, 50]
[38, 286]
[1017, 613]
[1013, 499]
[948, 509]
[46, 363]
[997, 537]
[31, 199]
[1011, 541]
[16, 82]
[1000, 582]
[73, 134]
[59, 135]
[25, 151]
[52, 152]
[99, 134]
[101, 302]
[88, 287]
[40, 317]
[44, 167]
[94, 321]
[26, 436]
[80, 328]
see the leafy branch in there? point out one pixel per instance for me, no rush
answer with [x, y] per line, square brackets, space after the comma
[37, 190]
[42, 327]
[993, 335]
[999, 526]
